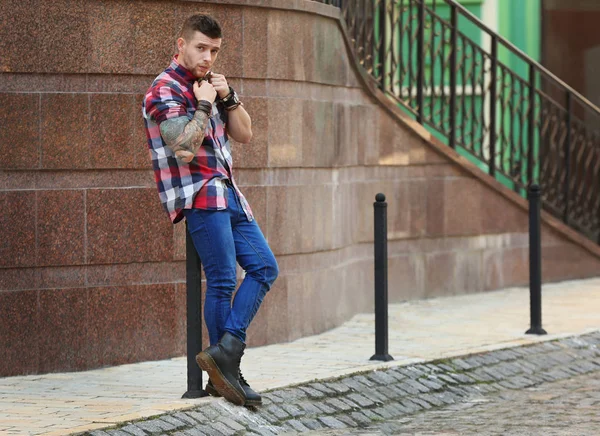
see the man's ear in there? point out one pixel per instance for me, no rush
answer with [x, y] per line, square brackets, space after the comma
[180, 43]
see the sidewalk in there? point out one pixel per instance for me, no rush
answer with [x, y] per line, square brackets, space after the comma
[420, 331]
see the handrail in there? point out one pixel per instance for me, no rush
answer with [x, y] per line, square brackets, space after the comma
[509, 45]
[520, 127]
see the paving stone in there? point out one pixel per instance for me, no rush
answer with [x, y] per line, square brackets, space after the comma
[101, 433]
[222, 428]
[410, 406]
[448, 379]
[197, 415]
[293, 410]
[278, 412]
[262, 430]
[432, 399]
[361, 418]
[117, 433]
[389, 393]
[173, 421]
[185, 418]
[461, 364]
[340, 388]
[312, 424]
[361, 400]
[354, 385]
[194, 432]
[155, 426]
[431, 384]
[381, 378]
[337, 404]
[372, 416]
[331, 422]
[395, 374]
[134, 430]
[312, 393]
[325, 408]
[309, 408]
[350, 403]
[268, 416]
[420, 402]
[364, 380]
[210, 412]
[415, 384]
[205, 429]
[374, 396]
[232, 424]
[383, 412]
[296, 425]
[391, 428]
[322, 388]
[290, 395]
[272, 397]
[347, 420]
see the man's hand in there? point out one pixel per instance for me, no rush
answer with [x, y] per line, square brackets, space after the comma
[219, 82]
[205, 91]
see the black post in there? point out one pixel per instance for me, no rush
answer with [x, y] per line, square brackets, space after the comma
[453, 73]
[493, 103]
[531, 126]
[381, 282]
[194, 320]
[421, 61]
[567, 159]
[535, 261]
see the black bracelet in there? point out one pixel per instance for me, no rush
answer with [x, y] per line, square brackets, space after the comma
[204, 106]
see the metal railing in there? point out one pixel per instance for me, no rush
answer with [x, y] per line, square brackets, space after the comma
[485, 98]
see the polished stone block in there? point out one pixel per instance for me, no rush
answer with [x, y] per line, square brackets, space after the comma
[60, 228]
[112, 121]
[65, 130]
[116, 235]
[63, 330]
[19, 131]
[64, 38]
[20, 331]
[17, 218]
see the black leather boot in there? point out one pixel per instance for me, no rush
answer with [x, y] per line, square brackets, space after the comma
[252, 398]
[222, 363]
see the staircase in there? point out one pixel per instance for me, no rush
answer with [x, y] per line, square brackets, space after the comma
[520, 125]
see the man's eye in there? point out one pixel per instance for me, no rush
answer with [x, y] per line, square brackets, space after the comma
[215, 51]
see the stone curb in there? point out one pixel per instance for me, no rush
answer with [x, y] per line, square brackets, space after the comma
[362, 399]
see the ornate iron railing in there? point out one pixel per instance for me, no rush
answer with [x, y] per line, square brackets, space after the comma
[484, 98]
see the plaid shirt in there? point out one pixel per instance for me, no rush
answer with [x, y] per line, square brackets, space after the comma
[199, 184]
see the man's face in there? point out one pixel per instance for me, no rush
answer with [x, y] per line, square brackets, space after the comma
[198, 53]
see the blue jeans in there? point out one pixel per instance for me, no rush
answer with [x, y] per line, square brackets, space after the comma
[221, 238]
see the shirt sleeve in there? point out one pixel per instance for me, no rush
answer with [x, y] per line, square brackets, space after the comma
[164, 102]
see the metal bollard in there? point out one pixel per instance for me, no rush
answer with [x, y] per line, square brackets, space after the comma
[535, 261]
[381, 280]
[194, 319]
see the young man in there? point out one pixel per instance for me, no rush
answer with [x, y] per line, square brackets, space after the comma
[188, 122]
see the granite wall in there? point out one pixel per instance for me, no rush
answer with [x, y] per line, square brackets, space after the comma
[91, 270]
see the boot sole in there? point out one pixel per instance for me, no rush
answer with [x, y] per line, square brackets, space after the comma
[206, 362]
[212, 391]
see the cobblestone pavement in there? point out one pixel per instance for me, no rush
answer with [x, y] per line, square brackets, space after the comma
[568, 407]
[476, 387]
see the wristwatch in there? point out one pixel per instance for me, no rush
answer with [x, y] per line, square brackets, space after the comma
[231, 101]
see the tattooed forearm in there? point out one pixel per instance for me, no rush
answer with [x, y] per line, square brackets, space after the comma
[184, 137]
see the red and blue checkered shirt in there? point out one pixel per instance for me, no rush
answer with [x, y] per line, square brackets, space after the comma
[201, 183]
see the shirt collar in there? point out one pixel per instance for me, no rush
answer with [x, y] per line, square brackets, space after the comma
[183, 72]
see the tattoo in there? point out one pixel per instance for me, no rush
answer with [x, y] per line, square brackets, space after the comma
[183, 136]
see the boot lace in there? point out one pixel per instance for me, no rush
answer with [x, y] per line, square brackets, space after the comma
[242, 379]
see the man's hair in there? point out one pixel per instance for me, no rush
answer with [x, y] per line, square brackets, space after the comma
[200, 23]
